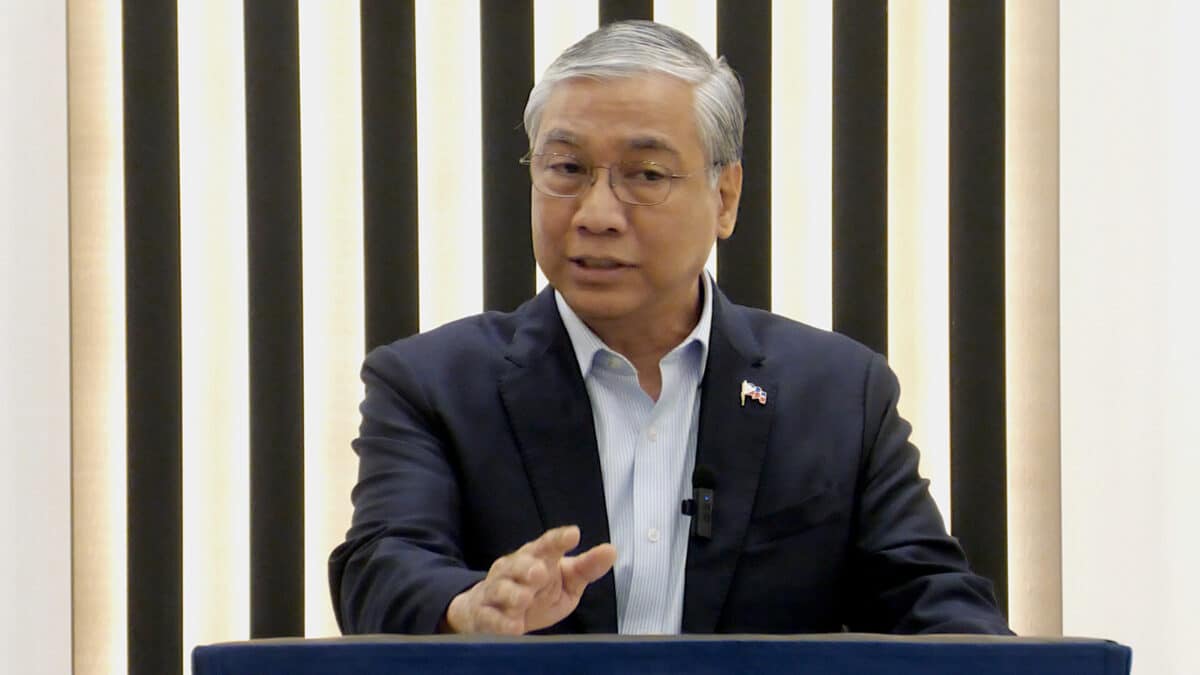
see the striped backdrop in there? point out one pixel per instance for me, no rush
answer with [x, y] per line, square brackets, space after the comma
[264, 190]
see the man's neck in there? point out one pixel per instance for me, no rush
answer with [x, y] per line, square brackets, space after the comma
[647, 338]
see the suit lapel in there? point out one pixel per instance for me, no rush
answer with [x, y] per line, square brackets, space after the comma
[551, 415]
[732, 441]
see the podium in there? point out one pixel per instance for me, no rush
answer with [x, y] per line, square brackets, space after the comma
[841, 654]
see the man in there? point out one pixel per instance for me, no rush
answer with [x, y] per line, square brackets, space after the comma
[530, 471]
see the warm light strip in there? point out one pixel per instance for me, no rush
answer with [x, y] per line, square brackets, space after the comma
[97, 197]
[214, 324]
[556, 26]
[918, 229]
[332, 209]
[1032, 318]
[697, 18]
[802, 154]
[449, 147]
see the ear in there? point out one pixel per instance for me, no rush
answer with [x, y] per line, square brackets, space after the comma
[729, 191]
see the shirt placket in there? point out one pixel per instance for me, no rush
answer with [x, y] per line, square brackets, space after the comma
[653, 516]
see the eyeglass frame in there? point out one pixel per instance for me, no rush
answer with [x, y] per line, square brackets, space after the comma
[527, 160]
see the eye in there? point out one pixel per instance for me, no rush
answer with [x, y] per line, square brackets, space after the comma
[564, 166]
[644, 172]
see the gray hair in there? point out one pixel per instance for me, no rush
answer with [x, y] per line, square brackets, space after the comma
[627, 48]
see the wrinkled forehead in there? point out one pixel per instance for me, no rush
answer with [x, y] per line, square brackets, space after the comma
[564, 138]
[648, 113]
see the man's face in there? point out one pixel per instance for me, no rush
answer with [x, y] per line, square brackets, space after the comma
[614, 261]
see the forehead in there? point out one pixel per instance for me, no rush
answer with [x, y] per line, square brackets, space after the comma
[649, 111]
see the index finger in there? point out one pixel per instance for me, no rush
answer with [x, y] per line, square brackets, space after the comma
[554, 543]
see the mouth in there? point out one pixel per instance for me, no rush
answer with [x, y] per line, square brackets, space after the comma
[597, 263]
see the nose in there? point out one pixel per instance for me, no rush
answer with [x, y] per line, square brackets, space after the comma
[599, 209]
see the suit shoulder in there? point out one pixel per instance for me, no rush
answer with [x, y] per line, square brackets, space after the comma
[781, 337]
[467, 341]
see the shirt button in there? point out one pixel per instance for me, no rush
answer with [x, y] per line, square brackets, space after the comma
[652, 434]
[652, 535]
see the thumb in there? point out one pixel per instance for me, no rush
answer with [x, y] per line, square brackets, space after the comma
[581, 570]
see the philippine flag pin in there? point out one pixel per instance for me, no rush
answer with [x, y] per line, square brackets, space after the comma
[754, 391]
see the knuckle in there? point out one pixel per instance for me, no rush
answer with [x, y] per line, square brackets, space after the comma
[502, 592]
[537, 570]
[499, 592]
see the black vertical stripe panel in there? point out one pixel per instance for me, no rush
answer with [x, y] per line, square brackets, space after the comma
[977, 392]
[389, 109]
[620, 10]
[276, 321]
[153, 340]
[506, 61]
[744, 260]
[860, 171]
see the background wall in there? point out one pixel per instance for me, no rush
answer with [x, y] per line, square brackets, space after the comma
[221, 299]
[262, 191]
[1130, 227]
[35, 404]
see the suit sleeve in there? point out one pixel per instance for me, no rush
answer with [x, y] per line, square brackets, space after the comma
[402, 561]
[910, 576]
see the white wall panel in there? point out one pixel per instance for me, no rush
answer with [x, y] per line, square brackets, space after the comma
[35, 396]
[1129, 361]
[1181, 503]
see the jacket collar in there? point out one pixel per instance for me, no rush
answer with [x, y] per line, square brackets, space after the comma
[549, 411]
[732, 443]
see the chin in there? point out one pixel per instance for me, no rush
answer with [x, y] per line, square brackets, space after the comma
[597, 305]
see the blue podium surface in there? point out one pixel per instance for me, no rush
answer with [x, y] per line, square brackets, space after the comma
[843, 654]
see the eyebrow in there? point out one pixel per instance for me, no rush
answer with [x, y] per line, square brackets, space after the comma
[559, 135]
[652, 143]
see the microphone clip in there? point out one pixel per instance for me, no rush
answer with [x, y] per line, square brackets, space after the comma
[700, 508]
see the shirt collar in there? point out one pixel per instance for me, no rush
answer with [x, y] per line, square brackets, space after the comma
[587, 344]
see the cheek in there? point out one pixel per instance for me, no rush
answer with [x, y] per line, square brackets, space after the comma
[546, 232]
[550, 218]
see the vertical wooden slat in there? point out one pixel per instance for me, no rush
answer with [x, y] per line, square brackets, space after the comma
[153, 342]
[977, 372]
[389, 92]
[506, 73]
[744, 260]
[276, 322]
[621, 10]
[860, 171]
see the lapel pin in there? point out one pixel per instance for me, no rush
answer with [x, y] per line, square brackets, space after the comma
[754, 391]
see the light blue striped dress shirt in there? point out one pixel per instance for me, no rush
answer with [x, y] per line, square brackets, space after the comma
[647, 453]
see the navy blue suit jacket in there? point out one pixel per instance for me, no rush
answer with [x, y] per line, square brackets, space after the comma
[478, 436]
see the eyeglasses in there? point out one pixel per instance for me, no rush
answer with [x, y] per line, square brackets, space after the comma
[641, 183]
